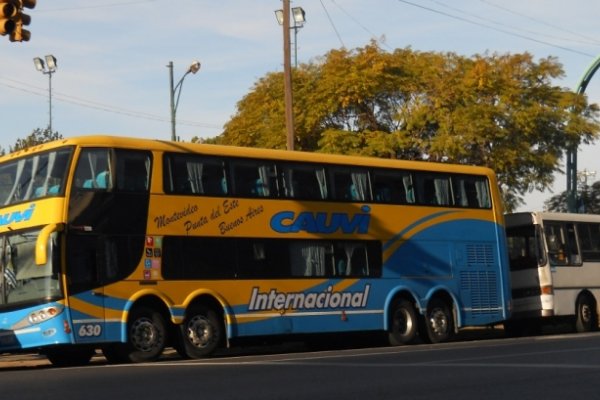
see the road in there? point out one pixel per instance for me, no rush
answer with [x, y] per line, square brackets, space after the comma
[547, 367]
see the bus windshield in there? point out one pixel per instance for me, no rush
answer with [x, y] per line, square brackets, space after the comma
[33, 177]
[21, 280]
[525, 247]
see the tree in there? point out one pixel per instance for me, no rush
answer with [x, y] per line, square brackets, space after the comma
[588, 202]
[499, 111]
[38, 136]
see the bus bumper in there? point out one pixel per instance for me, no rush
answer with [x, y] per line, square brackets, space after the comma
[34, 328]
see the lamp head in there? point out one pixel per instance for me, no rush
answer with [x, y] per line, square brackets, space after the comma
[51, 62]
[279, 16]
[39, 64]
[195, 67]
[299, 15]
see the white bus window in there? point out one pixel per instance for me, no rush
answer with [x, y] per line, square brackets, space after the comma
[589, 240]
[562, 244]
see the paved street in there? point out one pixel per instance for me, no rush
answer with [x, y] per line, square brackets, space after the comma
[36, 361]
[548, 367]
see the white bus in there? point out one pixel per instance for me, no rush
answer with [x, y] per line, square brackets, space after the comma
[555, 269]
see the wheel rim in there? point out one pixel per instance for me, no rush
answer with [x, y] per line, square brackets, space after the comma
[144, 335]
[200, 332]
[586, 313]
[438, 321]
[403, 322]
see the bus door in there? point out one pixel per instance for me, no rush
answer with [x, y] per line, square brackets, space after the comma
[108, 210]
[85, 285]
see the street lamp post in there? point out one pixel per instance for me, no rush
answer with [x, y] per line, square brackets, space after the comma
[175, 92]
[583, 176]
[299, 18]
[47, 68]
[283, 17]
[572, 148]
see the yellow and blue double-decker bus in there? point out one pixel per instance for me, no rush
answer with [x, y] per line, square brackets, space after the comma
[128, 246]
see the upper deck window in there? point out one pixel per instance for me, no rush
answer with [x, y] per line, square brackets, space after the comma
[190, 174]
[34, 176]
[110, 169]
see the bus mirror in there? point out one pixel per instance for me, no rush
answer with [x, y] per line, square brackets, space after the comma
[41, 245]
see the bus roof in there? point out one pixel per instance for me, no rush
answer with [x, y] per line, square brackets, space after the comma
[536, 217]
[248, 152]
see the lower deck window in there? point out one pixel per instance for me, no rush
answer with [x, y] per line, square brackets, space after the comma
[226, 258]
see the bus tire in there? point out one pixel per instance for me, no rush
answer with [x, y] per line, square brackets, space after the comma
[403, 323]
[115, 353]
[201, 332]
[438, 322]
[146, 335]
[70, 357]
[585, 319]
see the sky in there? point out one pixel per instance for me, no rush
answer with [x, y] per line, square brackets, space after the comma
[112, 56]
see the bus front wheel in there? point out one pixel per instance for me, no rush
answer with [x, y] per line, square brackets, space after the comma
[403, 323]
[438, 322]
[146, 335]
[201, 332]
[70, 357]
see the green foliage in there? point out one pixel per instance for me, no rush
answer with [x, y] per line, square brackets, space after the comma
[36, 137]
[499, 111]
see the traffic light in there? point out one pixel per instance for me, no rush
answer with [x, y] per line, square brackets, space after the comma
[8, 11]
[12, 19]
[20, 34]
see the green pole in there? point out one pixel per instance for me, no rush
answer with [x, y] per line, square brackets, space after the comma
[572, 150]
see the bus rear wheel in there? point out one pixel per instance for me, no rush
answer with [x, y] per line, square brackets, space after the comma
[438, 323]
[403, 323]
[201, 332]
[585, 320]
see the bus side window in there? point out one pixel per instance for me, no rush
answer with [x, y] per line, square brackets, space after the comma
[303, 182]
[310, 258]
[351, 259]
[562, 244]
[133, 172]
[589, 239]
[254, 179]
[213, 179]
[470, 191]
[426, 190]
[351, 184]
[393, 187]
[556, 250]
[573, 248]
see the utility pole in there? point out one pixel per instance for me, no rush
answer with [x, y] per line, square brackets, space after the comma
[172, 101]
[287, 76]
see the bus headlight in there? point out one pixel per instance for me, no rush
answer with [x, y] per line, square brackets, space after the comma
[39, 316]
